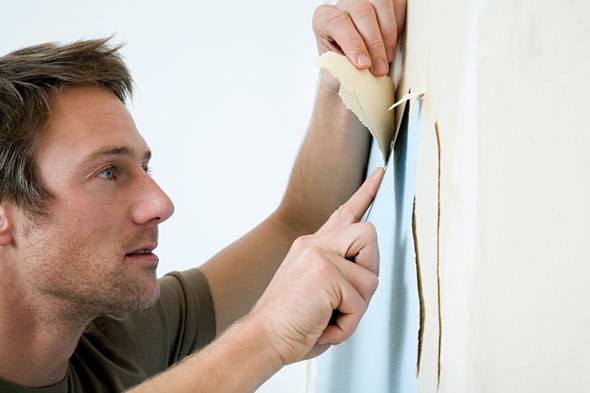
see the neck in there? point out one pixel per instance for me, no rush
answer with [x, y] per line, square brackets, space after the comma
[38, 334]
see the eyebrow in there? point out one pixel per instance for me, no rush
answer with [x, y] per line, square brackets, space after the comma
[114, 151]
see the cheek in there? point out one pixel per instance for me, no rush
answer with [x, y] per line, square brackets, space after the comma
[69, 262]
[93, 211]
[90, 222]
[63, 246]
[80, 238]
[69, 242]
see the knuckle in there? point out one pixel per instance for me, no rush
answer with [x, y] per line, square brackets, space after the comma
[342, 216]
[322, 268]
[336, 17]
[319, 15]
[369, 229]
[389, 33]
[302, 242]
[346, 335]
[362, 9]
[346, 215]
[372, 284]
[312, 254]
[321, 9]
[374, 42]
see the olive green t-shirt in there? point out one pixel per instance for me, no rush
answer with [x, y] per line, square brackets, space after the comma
[115, 353]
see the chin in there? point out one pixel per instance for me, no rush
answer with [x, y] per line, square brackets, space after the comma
[149, 296]
[136, 298]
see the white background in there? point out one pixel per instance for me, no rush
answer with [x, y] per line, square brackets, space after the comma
[224, 93]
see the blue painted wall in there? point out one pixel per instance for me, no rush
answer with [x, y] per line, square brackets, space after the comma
[381, 355]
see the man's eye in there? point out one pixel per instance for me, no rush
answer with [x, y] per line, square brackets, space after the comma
[108, 174]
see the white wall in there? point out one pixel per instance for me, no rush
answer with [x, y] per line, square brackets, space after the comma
[502, 193]
[224, 95]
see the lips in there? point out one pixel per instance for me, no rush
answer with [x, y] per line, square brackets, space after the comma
[143, 250]
[140, 252]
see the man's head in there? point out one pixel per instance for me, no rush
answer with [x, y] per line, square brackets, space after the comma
[30, 80]
[79, 213]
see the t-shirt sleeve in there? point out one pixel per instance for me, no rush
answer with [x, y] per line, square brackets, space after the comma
[181, 322]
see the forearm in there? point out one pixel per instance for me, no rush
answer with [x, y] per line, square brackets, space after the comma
[238, 361]
[330, 165]
[329, 168]
[239, 273]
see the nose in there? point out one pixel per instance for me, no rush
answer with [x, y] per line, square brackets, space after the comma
[152, 203]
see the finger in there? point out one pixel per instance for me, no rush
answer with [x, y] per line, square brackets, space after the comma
[352, 307]
[363, 280]
[334, 29]
[337, 248]
[386, 17]
[364, 250]
[334, 268]
[364, 17]
[354, 242]
[399, 7]
[353, 210]
[316, 351]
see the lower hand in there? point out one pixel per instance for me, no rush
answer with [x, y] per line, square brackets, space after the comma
[317, 277]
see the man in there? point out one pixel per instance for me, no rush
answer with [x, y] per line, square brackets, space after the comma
[80, 306]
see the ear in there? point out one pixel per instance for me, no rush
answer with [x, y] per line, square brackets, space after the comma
[5, 226]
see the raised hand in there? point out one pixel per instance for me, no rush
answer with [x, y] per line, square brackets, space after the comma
[366, 31]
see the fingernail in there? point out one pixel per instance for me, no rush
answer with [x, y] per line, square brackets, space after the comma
[362, 60]
[380, 67]
[376, 171]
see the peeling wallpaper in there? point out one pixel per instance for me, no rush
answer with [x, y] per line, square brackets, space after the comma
[498, 161]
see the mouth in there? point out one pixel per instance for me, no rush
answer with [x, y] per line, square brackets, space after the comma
[144, 254]
[142, 251]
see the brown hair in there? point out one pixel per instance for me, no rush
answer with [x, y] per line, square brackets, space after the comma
[30, 79]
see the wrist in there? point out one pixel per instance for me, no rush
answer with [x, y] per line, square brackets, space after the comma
[257, 340]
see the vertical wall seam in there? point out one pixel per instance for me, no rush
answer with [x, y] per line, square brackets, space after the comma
[438, 252]
[420, 290]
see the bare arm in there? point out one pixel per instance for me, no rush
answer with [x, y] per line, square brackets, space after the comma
[328, 169]
[238, 361]
[330, 164]
[279, 285]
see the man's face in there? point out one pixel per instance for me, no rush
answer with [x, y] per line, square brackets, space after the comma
[94, 250]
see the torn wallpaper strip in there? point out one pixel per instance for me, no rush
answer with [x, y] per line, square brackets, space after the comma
[366, 95]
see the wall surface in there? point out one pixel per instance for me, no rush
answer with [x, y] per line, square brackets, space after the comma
[502, 191]
[510, 213]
